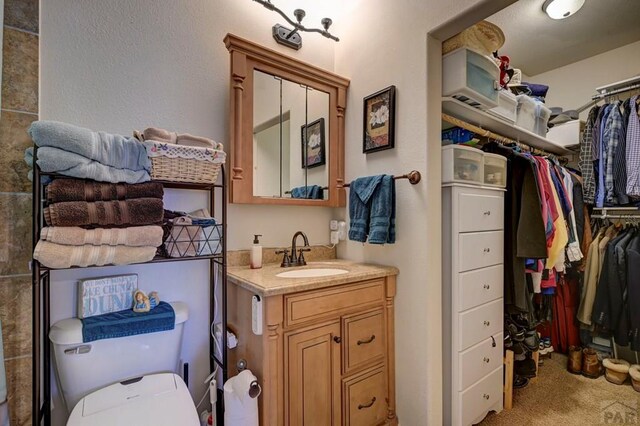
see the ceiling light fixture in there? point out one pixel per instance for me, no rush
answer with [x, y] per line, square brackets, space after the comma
[561, 9]
[292, 38]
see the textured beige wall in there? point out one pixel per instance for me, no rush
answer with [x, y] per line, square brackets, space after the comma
[19, 109]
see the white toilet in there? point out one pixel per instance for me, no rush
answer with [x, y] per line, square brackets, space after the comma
[123, 381]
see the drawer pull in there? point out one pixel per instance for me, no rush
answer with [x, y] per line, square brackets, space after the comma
[486, 396]
[337, 339]
[487, 213]
[486, 286]
[486, 360]
[361, 406]
[487, 323]
[369, 340]
[487, 250]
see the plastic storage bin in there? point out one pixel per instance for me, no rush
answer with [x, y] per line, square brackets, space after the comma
[462, 164]
[507, 108]
[471, 78]
[495, 170]
[566, 134]
[532, 115]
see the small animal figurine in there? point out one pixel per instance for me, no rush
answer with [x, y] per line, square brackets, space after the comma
[154, 299]
[141, 302]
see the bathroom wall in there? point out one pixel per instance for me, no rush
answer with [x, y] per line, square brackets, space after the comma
[120, 65]
[572, 86]
[19, 108]
[385, 43]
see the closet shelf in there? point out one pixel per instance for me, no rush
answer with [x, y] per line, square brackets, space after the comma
[486, 121]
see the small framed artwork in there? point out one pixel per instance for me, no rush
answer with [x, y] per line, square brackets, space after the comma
[312, 136]
[379, 120]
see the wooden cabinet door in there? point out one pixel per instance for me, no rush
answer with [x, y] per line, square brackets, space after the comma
[312, 367]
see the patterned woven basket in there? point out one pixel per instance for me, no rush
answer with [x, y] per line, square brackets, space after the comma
[184, 170]
[178, 163]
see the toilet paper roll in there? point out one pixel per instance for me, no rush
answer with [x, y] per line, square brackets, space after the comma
[241, 400]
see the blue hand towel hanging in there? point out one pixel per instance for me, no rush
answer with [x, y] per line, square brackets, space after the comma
[372, 209]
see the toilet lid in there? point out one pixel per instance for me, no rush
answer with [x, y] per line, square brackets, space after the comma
[156, 399]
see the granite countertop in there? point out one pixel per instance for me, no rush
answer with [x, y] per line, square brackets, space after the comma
[264, 281]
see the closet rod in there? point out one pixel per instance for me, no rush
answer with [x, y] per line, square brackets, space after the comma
[414, 177]
[616, 91]
[493, 136]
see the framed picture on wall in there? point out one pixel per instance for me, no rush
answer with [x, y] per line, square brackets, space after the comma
[379, 120]
[312, 137]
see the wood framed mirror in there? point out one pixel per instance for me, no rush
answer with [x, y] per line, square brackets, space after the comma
[286, 129]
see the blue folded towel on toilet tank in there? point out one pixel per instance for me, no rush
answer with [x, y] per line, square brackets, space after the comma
[128, 323]
[105, 148]
[372, 209]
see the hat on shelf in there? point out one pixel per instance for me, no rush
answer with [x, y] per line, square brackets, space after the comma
[483, 37]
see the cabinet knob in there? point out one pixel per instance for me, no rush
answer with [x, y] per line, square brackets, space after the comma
[486, 286]
[487, 250]
[486, 396]
[361, 406]
[486, 360]
[337, 339]
[487, 323]
[487, 213]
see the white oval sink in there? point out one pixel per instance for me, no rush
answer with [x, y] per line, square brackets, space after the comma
[312, 273]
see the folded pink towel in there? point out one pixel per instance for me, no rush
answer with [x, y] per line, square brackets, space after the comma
[135, 236]
[165, 136]
[61, 256]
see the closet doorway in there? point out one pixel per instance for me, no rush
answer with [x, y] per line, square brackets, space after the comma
[590, 58]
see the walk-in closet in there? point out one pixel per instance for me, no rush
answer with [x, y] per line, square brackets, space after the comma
[541, 216]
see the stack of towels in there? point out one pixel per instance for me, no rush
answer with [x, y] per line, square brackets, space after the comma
[77, 152]
[111, 214]
[95, 223]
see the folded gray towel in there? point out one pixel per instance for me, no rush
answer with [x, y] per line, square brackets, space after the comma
[108, 149]
[54, 160]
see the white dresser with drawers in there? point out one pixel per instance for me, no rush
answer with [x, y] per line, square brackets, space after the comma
[473, 254]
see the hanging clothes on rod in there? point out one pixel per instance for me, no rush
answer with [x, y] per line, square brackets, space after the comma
[610, 153]
[544, 224]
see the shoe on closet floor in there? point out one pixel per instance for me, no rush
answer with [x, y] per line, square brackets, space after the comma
[532, 341]
[591, 367]
[616, 370]
[520, 382]
[634, 372]
[519, 352]
[574, 361]
[525, 368]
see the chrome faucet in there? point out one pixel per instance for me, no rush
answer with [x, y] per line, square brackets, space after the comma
[294, 260]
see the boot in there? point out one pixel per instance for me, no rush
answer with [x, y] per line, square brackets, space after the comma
[590, 363]
[574, 362]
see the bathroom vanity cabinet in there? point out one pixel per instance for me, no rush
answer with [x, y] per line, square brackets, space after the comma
[326, 353]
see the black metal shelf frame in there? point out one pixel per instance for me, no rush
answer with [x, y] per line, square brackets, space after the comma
[41, 291]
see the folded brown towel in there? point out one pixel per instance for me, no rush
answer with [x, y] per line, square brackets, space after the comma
[134, 236]
[61, 256]
[138, 211]
[88, 190]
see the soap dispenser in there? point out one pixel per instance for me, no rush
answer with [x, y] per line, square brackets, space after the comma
[255, 255]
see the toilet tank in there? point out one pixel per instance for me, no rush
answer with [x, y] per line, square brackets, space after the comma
[83, 368]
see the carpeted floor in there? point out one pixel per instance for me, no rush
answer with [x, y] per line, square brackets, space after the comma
[561, 398]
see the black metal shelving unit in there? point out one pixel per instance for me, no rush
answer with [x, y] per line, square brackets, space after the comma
[41, 289]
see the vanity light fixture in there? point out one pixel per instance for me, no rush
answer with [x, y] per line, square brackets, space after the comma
[561, 9]
[291, 37]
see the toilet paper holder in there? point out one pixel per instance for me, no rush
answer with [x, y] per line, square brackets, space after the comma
[254, 387]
